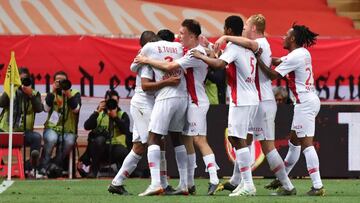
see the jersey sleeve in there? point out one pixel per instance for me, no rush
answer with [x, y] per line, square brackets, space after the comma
[229, 54]
[189, 62]
[146, 72]
[288, 64]
[134, 67]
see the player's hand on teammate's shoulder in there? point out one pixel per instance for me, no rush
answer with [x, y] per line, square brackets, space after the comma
[196, 54]
[219, 42]
[140, 59]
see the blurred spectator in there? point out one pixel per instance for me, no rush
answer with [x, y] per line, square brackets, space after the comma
[215, 86]
[63, 107]
[27, 103]
[109, 140]
[281, 95]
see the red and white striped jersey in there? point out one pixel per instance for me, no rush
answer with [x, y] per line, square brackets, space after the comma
[142, 99]
[195, 74]
[297, 66]
[164, 50]
[240, 75]
[263, 83]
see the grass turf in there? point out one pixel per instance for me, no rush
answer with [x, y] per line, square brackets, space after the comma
[96, 191]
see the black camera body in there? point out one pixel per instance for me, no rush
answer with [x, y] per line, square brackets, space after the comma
[26, 81]
[63, 85]
[111, 104]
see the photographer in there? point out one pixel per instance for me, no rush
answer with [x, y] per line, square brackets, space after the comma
[63, 106]
[109, 136]
[27, 103]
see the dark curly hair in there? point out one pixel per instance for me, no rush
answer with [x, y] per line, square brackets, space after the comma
[304, 36]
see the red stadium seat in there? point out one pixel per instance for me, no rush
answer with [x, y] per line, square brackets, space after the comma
[17, 168]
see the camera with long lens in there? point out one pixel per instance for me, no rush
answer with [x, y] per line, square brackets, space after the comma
[26, 81]
[65, 84]
[111, 104]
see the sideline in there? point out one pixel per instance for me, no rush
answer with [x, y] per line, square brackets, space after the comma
[5, 185]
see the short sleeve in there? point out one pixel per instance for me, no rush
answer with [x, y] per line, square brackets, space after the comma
[288, 64]
[146, 50]
[146, 72]
[189, 62]
[229, 54]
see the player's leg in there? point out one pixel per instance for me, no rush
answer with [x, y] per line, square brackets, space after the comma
[209, 161]
[197, 128]
[191, 164]
[312, 164]
[141, 117]
[181, 161]
[239, 122]
[176, 127]
[293, 153]
[309, 110]
[264, 131]
[168, 189]
[129, 165]
[158, 127]
[290, 160]
[154, 157]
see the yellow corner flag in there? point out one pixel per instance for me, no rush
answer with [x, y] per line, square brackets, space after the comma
[12, 75]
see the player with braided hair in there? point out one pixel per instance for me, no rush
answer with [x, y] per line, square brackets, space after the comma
[297, 67]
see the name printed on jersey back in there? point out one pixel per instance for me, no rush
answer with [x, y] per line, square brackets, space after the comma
[164, 49]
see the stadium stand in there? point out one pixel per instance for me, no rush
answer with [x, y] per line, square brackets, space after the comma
[347, 8]
[313, 13]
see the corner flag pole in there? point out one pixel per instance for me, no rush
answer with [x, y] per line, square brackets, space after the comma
[12, 79]
[10, 128]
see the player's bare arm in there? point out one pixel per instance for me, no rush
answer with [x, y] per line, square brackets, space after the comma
[149, 85]
[272, 74]
[134, 67]
[275, 61]
[212, 62]
[241, 41]
[161, 65]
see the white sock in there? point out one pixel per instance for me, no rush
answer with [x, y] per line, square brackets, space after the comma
[154, 164]
[243, 159]
[236, 176]
[163, 170]
[312, 163]
[277, 167]
[210, 164]
[292, 157]
[191, 169]
[128, 166]
[181, 160]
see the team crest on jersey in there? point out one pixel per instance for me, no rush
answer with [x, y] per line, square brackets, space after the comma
[257, 156]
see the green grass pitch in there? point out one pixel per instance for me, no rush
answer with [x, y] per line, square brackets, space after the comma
[82, 190]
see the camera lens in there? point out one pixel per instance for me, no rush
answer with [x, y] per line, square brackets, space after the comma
[26, 81]
[65, 84]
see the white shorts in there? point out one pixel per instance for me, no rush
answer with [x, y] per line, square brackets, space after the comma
[304, 118]
[141, 118]
[239, 120]
[196, 120]
[168, 115]
[263, 124]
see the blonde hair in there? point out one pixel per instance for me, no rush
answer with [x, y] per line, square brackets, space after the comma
[259, 21]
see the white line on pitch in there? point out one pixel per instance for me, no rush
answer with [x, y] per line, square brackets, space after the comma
[5, 185]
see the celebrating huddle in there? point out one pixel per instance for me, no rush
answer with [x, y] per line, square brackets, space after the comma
[170, 99]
